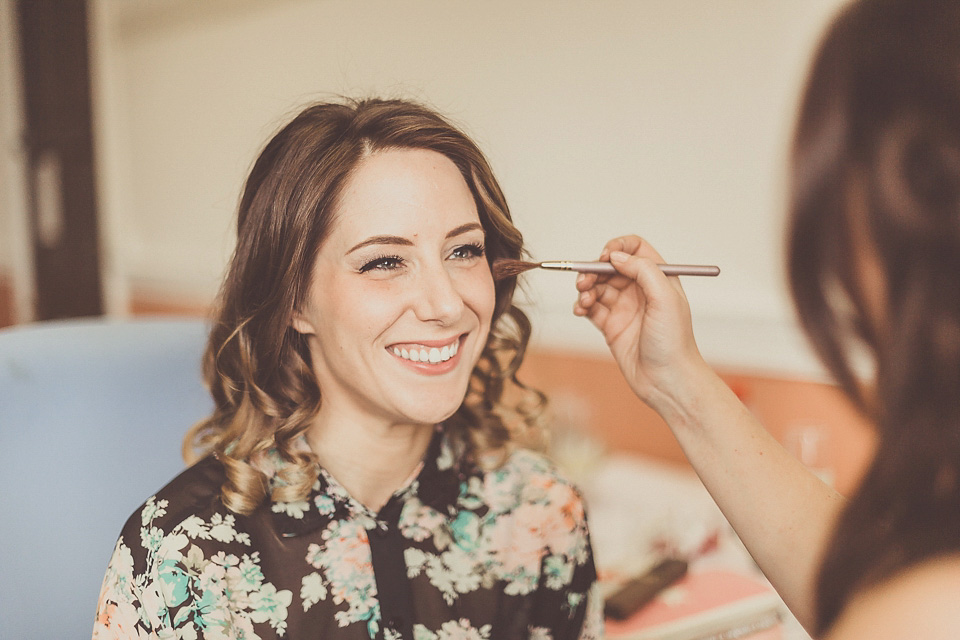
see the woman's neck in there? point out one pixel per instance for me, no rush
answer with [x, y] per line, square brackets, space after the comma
[370, 461]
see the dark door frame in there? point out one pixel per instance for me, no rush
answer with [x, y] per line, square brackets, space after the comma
[59, 150]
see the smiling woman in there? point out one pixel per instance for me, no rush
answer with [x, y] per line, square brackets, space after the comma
[425, 289]
[363, 474]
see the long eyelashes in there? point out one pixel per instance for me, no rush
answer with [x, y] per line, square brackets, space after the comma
[473, 250]
[388, 262]
[384, 263]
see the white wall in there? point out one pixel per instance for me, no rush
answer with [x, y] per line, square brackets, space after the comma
[667, 118]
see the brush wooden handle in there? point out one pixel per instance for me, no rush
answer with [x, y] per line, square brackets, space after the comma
[605, 268]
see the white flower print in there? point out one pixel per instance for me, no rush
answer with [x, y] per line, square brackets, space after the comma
[415, 559]
[294, 510]
[454, 572]
[462, 630]
[152, 510]
[419, 522]
[312, 590]
[540, 633]
[196, 528]
[325, 504]
[187, 633]
[222, 528]
[420, 632]
[270, 605]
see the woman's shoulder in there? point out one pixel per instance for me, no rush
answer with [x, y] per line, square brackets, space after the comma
[922, 601]
[193, 492]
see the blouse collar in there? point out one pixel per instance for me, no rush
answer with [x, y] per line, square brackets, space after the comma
[437, 485]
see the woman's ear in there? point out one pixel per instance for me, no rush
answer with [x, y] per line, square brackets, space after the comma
[301, 324]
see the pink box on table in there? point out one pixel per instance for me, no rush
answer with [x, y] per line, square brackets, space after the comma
[708, 605]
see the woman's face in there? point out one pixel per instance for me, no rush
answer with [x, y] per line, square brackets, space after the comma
[401, 298]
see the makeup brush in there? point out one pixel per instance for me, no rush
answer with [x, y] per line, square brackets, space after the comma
[506, 268]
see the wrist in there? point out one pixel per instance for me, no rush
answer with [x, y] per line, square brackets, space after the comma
[694, 390]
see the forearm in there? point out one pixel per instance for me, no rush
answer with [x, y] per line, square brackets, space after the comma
[783, 513]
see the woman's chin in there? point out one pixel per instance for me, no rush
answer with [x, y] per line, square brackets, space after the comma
[434, 416]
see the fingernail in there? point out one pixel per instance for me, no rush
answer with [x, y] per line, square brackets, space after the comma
[618, 256]
[581, 277]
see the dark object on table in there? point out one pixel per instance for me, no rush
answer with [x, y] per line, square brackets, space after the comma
[638, 591]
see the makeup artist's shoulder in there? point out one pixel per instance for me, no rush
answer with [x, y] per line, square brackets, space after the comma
[923, 601]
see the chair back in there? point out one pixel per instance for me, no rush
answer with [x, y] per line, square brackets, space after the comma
[92, 414]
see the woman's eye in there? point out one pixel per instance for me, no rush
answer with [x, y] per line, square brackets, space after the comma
[383, 263]
[467, 251]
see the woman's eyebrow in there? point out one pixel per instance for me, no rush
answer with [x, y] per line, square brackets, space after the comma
[470, 226]
[400, 240]
[382, 240]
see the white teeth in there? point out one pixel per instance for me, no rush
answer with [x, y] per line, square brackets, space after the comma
[433, 355]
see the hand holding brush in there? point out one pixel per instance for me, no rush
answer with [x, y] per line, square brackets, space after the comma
[646, 322]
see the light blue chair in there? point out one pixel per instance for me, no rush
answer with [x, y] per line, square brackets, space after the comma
[92, 414]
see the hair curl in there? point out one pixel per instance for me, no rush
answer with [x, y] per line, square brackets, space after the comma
[877, 166]
[259, 368]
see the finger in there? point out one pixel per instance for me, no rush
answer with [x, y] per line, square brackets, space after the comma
[643, 249]
[599, 292]
[596, 314]
[644, 271]
[609, 295]
[584, 302]
[632, 245]
[583, 311]
[626, 244]
[585, 281]
[587, 298]
[588, 304]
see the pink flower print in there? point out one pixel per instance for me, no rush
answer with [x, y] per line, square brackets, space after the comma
[118, 622]
[518, 541]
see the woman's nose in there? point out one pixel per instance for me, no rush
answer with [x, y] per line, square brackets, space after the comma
[438, 299]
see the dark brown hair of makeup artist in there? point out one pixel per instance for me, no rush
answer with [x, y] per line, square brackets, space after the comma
[874, 262]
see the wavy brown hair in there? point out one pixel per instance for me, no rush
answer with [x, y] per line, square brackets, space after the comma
[259, 368]
[877, 165]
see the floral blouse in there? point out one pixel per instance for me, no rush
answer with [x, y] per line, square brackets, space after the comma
[456, 554]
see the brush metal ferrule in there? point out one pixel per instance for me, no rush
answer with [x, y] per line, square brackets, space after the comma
[581, 267]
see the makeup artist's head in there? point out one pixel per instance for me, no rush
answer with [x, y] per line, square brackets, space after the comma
[313, 192]
[874, 257]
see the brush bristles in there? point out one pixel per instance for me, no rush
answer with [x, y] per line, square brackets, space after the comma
[507, 268]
